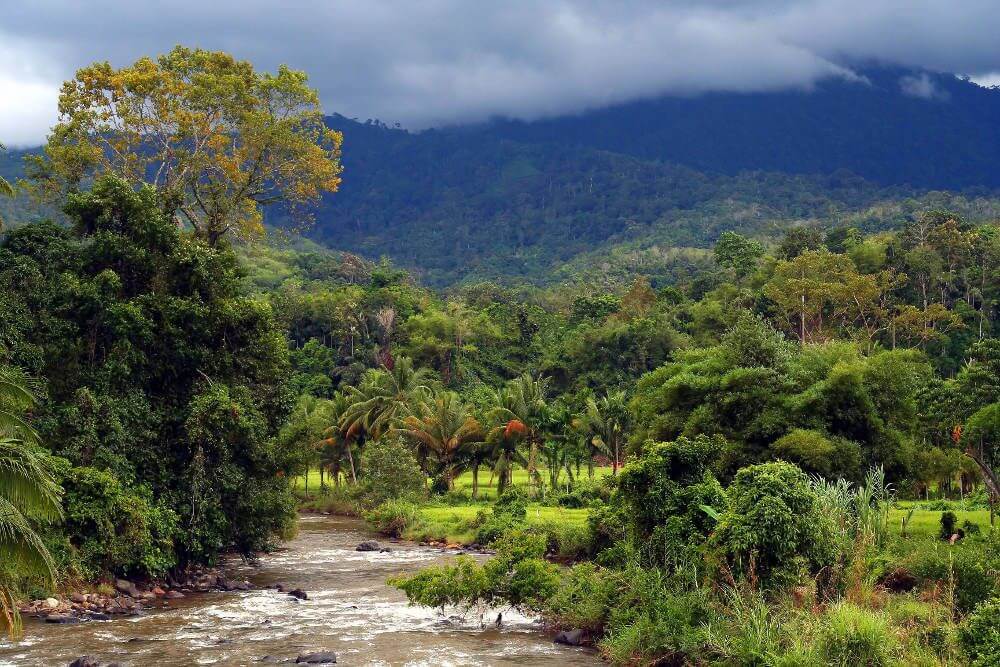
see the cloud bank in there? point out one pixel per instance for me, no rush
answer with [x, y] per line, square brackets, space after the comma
[446, 61]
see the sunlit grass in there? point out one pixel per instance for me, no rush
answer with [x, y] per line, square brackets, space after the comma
[463, 483]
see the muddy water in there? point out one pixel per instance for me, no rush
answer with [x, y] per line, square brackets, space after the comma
[350, 610]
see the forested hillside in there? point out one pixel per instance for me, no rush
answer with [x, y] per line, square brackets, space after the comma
[606, 191]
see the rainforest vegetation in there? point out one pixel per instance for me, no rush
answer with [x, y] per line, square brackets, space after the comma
[784, 453]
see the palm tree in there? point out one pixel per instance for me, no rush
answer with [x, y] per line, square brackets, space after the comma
[383, 398]
[606, 421]
[446, 428]
[520, 414]
[6, 189]
[338, 439]
[27, 493]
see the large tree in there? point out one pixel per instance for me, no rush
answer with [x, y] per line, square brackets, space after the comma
[217, 138]
[157, 368]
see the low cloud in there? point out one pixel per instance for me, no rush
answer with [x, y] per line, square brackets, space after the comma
[922, 87]
[448, 61]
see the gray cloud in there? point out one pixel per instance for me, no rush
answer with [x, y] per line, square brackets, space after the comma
[444, 61]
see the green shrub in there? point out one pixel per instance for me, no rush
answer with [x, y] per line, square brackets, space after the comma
[517, 575]
[773, 527]
[819, 454]
[851, 636]
[585, 493]
[509, 513]
[116, 530]
[393, 517]
[948, 521]
[979, 634]
[389, 471]
[666, 490]
[970, 569]
[655, 616]
[511, 503]
[584, 598]
[565, 539]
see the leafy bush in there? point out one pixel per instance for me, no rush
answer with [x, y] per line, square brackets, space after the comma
[393, 517]
[656, 616]
[511, 503]
[116, 530]
[971, 570]
[584, 598]
[509, 513]
[666, 490]
[389, 471]
[852, 636]
[979, 634]
[566, 539]
[948, 521]
[517, 575]
[584, 494]
[819, 453]
[773, 527]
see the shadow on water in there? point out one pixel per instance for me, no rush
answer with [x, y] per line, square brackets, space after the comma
[350, 610]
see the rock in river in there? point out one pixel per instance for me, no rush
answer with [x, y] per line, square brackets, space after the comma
[85, 661]
[570, 637]
[368, 545]
[319, 658]
[298, 593]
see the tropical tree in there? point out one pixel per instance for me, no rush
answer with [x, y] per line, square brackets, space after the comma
[520, 414]
[6, 189]
[605, 420]
[338, 439]
[219, 140]
[27, 494]
[444, 425]
[384, 397]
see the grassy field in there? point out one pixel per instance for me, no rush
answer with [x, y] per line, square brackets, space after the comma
[927, 523]
[487, 487]
[453, 524]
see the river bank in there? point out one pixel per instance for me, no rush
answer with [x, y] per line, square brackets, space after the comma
[349, 610]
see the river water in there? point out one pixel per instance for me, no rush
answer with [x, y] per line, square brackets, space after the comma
[350, 610]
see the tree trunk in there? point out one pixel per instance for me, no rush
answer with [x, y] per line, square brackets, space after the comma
[350, 458]
[475, 480]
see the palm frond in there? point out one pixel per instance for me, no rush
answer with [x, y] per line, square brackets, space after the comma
[26, 482]
[21, 545]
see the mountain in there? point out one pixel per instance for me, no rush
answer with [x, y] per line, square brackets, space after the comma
[891, 126]
[509, 199]
[647, 186]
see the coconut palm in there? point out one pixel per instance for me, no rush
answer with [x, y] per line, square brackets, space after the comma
[605, 420]
[6, 189]
[520, 415]
[338, 440]
[445, 427]
[27, 493]
[383, 398]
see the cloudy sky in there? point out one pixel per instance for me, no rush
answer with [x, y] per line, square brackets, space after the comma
[429, 62]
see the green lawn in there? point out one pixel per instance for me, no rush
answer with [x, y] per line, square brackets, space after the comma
[452, 524]
[487, 487]
[927, 523]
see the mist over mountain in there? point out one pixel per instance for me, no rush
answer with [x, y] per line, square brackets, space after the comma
[610, 192]
[511, 199]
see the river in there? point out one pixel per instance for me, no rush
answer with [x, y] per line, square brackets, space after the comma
[350, 610]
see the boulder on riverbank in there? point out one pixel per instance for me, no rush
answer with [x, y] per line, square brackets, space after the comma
[570, 637]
